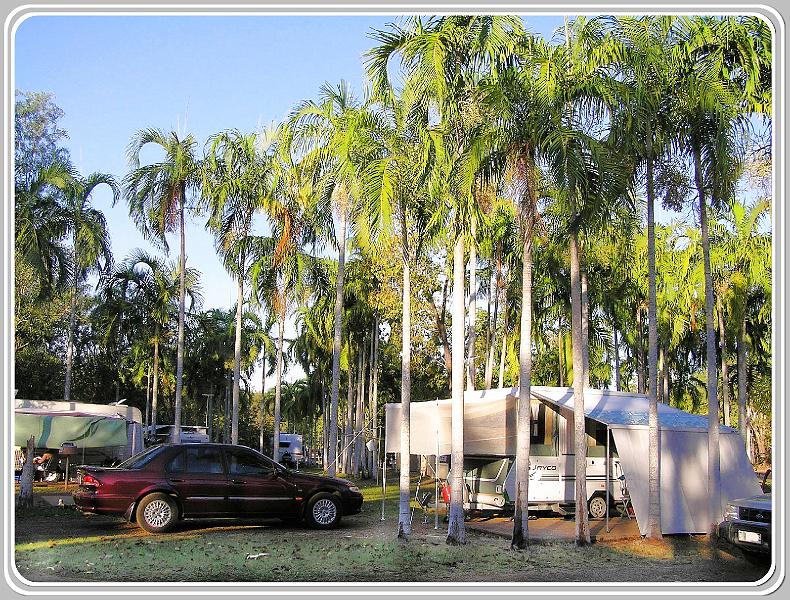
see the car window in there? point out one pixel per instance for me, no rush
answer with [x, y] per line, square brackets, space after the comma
[177, 463]
[138, 461]
[241, 462]
[201, 460]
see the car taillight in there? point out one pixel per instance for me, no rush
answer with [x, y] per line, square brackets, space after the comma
[90, 480]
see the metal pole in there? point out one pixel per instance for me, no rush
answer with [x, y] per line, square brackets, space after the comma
[436, 474]
[606, 470]
[383, 483]
[66, 483]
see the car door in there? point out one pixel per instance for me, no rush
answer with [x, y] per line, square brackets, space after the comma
[258, 487]
[197, 473]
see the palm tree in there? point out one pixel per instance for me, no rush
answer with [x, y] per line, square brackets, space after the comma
[90, 245]
[708, 106]
[642, 47]
[236, 183]
[41, 224]
[151, 286]
[747, 251]
[158, 197]
[442, 59]
[395, 194]
[329, 132]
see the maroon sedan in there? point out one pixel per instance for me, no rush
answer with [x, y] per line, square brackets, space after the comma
[169, 482]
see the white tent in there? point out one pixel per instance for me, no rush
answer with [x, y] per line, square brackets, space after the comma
[490, 430]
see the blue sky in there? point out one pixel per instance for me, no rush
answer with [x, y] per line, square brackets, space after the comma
[115, 75]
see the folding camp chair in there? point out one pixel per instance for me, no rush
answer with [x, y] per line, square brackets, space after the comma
[627, 508]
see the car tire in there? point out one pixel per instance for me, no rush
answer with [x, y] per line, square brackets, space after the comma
[157, 513]
[323, 511]
[596, 506]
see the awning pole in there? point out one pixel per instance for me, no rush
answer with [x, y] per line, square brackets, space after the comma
[606, 469]
[383, 483]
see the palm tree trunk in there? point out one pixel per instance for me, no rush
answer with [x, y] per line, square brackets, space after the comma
[155, 387]
[639, 353]
[470, 370]
[585, 326]
[25, 499]
[234, 427]
[226, 420]
[262, 406]
[441, 328]
[561, 355]
[182, 263]
[337, 346]
[502, 351]
[725, 371]
[359, 417]
[455, 530]
[404, 515]
[520, 537]
[714, 468]
[741, 342]
[278, 386]
[374, 401]
[616, 359]
[487, 372]
[349, 417]
[493, 326]
[324, 426]
[665, 362]
[579, 434]
[72, 327]
[210, 414]
[654, 477]
[147, 399]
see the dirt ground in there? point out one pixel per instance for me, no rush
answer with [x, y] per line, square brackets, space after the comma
[61, 544]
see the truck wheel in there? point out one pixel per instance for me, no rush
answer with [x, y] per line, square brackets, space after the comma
[597, 507]
[157, 513]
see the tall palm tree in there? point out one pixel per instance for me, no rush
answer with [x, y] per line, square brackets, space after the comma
[158, 195]
[90, 245]
[236, 181]
[709, 100]
[641, 47]
[398, 205]
[443, 58]
[328, 130]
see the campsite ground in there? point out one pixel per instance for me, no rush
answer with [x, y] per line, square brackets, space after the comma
[61, 544]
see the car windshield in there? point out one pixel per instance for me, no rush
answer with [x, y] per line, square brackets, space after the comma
[141, 459]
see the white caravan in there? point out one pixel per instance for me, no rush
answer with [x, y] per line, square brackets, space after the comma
[490, 481]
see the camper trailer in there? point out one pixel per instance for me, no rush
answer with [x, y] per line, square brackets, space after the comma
[490, 480]
[617, 453]
[290, 452]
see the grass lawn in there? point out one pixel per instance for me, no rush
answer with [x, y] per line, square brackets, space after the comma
[61, 544]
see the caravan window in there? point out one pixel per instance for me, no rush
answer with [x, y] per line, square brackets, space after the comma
[596, 438]
[544, 433]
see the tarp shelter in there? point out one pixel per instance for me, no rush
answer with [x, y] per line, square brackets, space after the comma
[85, 425]
[490, 430]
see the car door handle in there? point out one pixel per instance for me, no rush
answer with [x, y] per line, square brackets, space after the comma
[177, 480]
[238, 481]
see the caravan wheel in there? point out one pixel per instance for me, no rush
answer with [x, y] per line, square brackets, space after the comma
[597, 507]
